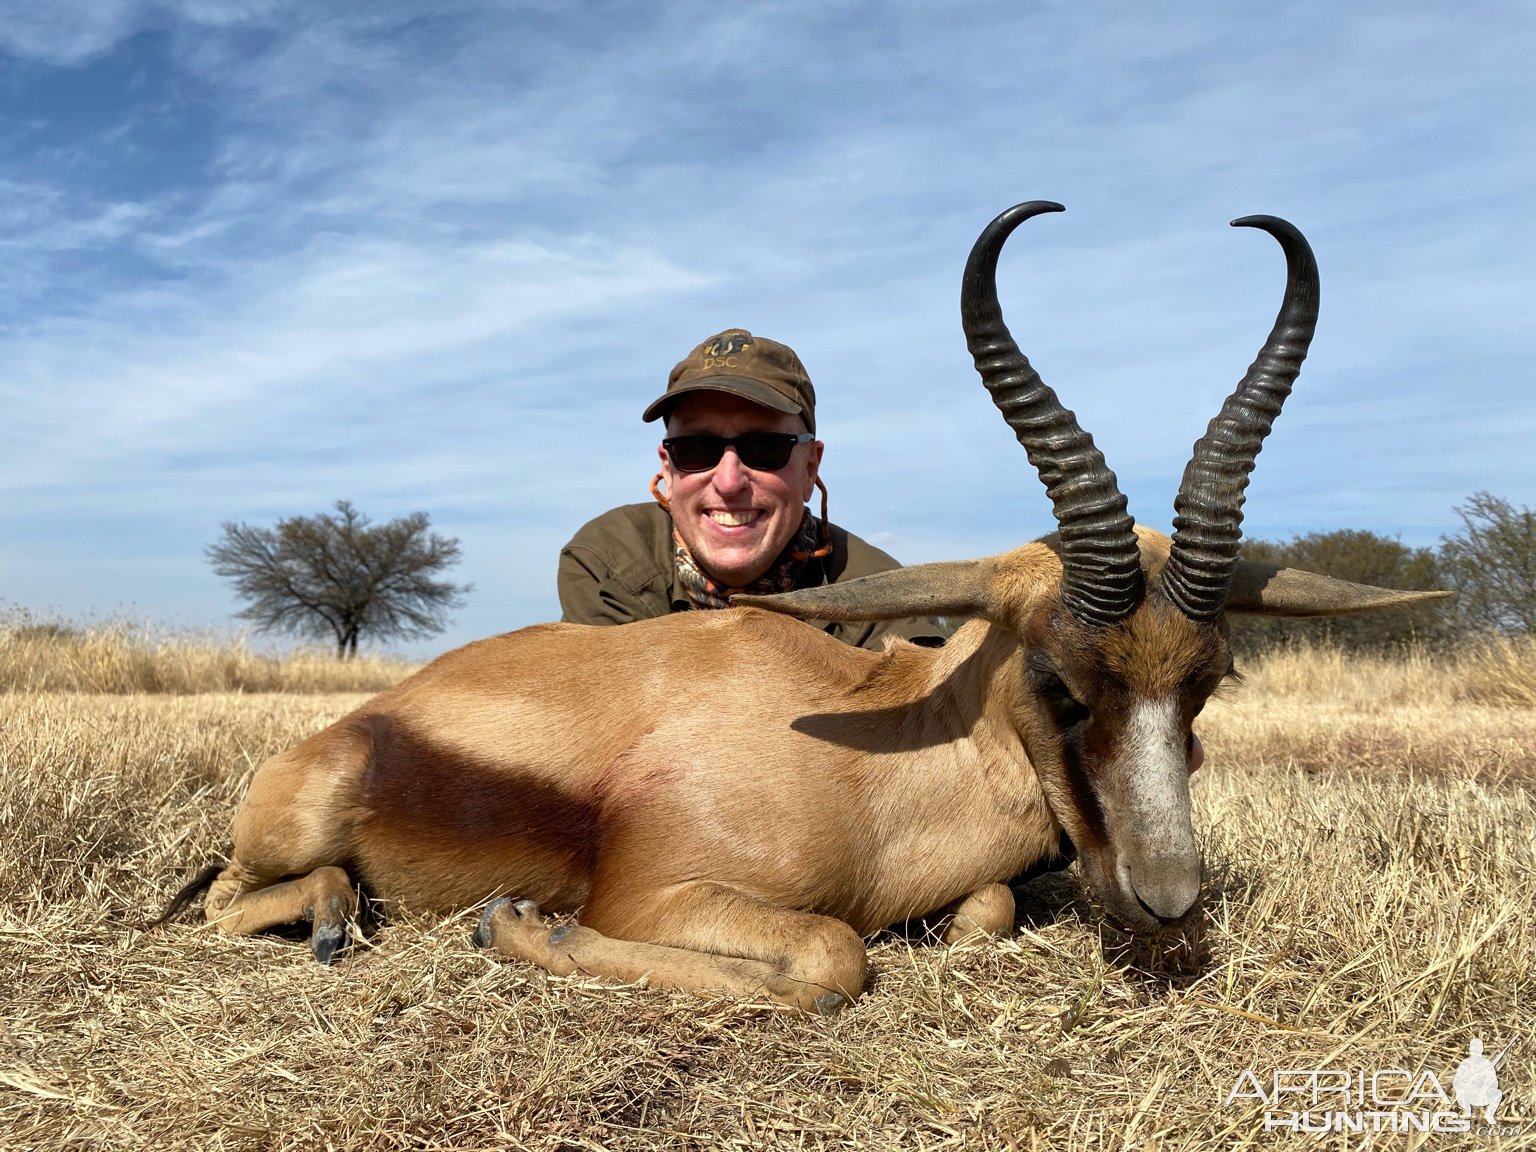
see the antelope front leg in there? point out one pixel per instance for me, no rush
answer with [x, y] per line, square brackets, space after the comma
[809, 962]
[987, 910]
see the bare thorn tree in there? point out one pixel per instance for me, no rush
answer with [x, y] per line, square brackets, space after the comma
[341, 576]
[1492, 564]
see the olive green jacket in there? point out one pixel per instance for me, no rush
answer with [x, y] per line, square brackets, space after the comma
[620, 568]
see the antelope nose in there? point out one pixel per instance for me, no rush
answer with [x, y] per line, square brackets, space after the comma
[1168, 892]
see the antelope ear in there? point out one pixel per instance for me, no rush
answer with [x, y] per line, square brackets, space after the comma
[951, 588]
[1270, 590]
[1003, 589]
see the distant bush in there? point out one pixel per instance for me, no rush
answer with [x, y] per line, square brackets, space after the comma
[1364, 558]
[48, 630]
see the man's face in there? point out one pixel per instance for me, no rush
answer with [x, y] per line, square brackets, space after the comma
[736, 520]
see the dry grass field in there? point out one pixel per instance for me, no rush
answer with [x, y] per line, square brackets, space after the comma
[125, 656]
[1368, 834]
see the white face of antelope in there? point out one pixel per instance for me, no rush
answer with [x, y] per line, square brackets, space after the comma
[1115, 749]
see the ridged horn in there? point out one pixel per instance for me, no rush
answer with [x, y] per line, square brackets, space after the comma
[1101, 580]
[1208, 511]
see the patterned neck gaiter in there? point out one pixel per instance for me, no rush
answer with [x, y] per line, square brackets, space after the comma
[706, 592]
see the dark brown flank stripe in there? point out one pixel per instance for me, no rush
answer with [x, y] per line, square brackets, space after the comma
[441, 810]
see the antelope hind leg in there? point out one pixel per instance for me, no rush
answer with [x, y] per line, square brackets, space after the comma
[518, 931]
[820, 961]
[987, 910]
[241, 904]
[754, 949]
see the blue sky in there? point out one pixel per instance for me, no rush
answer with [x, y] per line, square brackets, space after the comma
[260, 255]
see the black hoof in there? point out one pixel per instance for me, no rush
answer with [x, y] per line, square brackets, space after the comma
[482, 936]
[526, 909]
[329, 942]
[831, 1002]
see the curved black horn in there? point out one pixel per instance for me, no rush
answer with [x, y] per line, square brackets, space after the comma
[1101, 562]
[1208, 512]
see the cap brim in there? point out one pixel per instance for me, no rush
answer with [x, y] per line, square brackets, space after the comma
[752, 390]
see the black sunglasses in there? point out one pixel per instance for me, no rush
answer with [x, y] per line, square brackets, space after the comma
[760, 451]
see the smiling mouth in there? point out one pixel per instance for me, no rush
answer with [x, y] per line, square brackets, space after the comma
[734, 519]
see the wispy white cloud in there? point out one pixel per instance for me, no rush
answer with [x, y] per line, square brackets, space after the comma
[65, 34]
[315, 348]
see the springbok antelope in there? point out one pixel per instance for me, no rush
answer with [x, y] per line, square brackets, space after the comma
[733, 800]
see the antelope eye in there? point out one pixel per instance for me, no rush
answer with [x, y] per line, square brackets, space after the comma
[1068, 709]
[1047, 681]
[1070, 712]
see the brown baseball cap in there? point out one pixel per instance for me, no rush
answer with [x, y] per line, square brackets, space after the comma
[752, 367]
